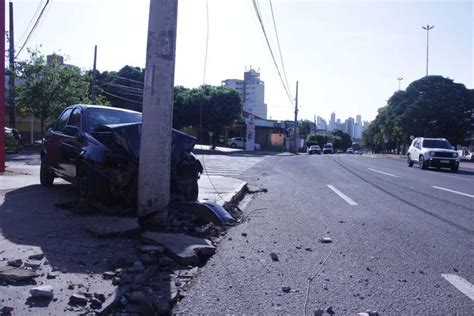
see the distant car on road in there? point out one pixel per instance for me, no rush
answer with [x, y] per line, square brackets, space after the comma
[350, 150]
[433, 152]
[328, 149]
[358, 152]
[315, 149]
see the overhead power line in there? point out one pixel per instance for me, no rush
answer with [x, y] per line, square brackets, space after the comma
[119, 97]
[131, 80]
[279, 48]
[255, 5]
[120, 86]
[33, 28]
[38, 8]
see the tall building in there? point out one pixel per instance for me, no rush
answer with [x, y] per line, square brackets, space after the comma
[332, 122]
[251, 91]
[350, 126]
[321, 123]
[358, 128]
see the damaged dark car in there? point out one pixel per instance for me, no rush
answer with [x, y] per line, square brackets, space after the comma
[97, 149]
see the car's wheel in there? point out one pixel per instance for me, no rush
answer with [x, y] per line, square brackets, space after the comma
[233, 145]
[46, 176]
[409, 161]
[422, 163]
[455, 168]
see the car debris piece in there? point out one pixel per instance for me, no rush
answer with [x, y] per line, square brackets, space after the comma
[286, 289]
[206, 210]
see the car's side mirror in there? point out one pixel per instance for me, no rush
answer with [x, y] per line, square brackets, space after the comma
[71, 130]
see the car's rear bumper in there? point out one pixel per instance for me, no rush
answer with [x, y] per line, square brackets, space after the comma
[443, 162]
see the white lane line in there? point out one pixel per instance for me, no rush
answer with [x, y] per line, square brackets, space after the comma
[342, 195]
[461, 284]
[386, 173]
[371, 156]
[452, 191]
[447, 175]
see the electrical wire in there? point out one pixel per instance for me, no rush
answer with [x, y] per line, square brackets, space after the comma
[38, 8]
[113, 84]
[207, 44]
[279, 48]
[255, 4]
[131, 80]
[33, 28]
[119, 97]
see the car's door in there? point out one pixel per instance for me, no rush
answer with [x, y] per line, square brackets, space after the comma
[53, 140]
[416, 150]
[72, 143]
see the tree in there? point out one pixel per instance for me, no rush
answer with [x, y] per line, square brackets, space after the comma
[44, 90]
[304, 128]
[341, 140]
[220, 107]
[433, 106]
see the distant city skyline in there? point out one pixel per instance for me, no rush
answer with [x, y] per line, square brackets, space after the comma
[353, 127]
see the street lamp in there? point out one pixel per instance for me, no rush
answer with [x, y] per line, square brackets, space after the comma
[399, 81]
[427, 28]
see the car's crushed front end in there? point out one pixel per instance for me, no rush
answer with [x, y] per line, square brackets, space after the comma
[117, 166]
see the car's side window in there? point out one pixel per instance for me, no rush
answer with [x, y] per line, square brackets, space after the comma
[62, 121]
[75, 118]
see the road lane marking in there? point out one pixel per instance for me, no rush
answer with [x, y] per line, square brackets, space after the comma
[371, 156]
[386, 173]
[342, 195]
[447, 175]
[452, 191]
[461, 284]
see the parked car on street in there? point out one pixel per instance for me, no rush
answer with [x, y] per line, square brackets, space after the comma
[315, 149]
[97, 148]
[350, 150]
[239, 142]
[328, 149]
[433, 152]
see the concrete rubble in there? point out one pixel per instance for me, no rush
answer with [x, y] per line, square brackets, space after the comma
[42, 291]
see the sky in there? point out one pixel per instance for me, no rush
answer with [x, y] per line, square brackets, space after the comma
[346, 54]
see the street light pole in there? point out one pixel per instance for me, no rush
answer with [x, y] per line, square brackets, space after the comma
[427, 28]
[399, 81]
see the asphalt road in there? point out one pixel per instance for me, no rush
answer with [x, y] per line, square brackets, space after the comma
[402, 241]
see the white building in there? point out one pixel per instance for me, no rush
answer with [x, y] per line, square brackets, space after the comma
[251, 91]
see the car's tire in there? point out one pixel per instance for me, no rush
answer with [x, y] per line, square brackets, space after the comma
[46, 176]
[233, 145]
[409, 161]
[455, 169]
[422, 163]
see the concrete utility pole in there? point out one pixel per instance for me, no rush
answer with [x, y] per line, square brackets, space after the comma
[295, 131]
[2, 84]
[155, 144]
[94, 81]
[427, 28]
[11, 77]
[399, 81]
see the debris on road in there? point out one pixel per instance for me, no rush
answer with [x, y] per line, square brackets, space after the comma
[274, 256]
[183, 248]
[286, 289]
[78, 299]
[308, 249]
[14, 275]
[38, 256]
[244, 234]
[15, 263]
[42, 291]
[325, 240]
[319, 312]
[113, 227]
[330, 310]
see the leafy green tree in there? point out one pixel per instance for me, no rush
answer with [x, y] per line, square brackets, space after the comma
[218, 107]
[44, 90]
[341, 140]
[304, 128]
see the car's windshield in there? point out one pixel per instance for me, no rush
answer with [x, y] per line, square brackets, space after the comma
[328, 146]
[436, 143]
[101, 116]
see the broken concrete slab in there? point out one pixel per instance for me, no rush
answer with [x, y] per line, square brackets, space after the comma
[15, 263]
[13, 274]
[110, 226]
[38, 256]
[35, 264]
[42, 291]
[183, 248]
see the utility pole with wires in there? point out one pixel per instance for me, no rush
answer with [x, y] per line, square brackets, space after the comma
[94, 78]
[11, 75]
[295, 129]
[155, 143]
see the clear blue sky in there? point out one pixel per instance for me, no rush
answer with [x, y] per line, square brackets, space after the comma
[345, 54]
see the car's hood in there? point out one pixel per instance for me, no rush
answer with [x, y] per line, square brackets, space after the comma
[125, 138]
